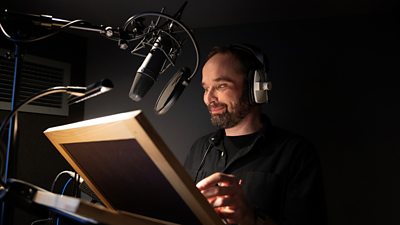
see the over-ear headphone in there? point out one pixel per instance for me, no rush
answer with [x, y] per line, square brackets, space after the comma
[257, 80]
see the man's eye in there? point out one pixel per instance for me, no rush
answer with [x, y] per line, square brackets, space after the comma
[221, 86]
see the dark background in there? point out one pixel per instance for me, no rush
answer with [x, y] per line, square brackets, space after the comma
[334, 69]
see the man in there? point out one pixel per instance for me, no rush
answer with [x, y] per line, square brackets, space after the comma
[250, 171]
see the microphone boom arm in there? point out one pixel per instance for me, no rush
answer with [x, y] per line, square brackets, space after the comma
[123, 35]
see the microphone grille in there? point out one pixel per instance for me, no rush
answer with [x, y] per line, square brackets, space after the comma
[140, 86]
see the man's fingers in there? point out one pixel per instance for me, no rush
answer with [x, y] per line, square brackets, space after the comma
[223, 202]
[224, 193]
[218, 191]
[217, 179]
[228, 214]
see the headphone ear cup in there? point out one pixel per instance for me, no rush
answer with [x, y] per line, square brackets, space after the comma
[259, 92]
[256, 93]
[251, 86]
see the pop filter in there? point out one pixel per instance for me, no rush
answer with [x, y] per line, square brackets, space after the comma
[171, 92]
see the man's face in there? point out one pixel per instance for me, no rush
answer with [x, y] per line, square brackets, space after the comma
[224, 90]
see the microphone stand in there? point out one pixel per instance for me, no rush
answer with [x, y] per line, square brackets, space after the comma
[12, 139]
[33, 20]
[79, 93]
[10, 164]
[13, 128]
[123, 35]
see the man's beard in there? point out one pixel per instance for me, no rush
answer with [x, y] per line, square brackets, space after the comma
[231, 119]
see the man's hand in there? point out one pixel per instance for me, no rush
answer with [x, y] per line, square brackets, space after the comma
[224, 193]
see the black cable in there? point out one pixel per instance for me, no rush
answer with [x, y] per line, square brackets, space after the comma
[42, 221]
[203, 160]
[8, 36]
[53, 185]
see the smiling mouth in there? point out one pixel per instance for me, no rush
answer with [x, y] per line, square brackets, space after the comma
[216, 110]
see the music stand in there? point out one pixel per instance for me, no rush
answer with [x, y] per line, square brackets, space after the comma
[129, 167]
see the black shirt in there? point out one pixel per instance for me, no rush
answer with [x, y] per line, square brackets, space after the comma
[281, 172]
[233, 144]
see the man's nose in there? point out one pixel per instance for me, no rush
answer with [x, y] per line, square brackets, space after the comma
[211, 95]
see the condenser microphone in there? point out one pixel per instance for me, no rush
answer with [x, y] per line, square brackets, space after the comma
[161, 43]
[148, 72]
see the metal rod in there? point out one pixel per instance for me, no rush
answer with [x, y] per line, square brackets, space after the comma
[10, 164]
